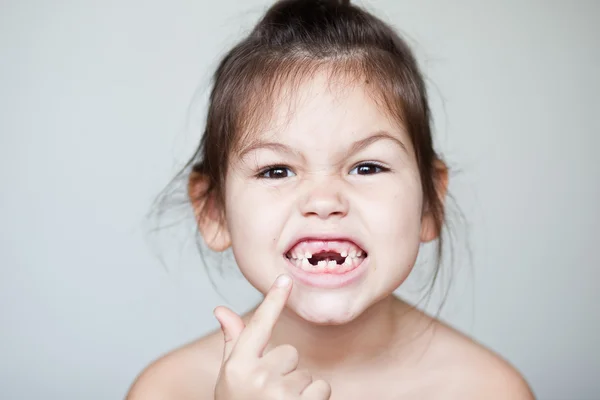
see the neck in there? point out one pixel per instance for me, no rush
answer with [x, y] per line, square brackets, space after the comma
[363, 340]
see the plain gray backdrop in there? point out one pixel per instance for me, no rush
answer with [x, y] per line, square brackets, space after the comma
[101, 102]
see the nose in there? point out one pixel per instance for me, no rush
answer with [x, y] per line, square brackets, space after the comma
[324, 200]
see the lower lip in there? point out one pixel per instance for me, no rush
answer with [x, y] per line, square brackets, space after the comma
[328, 280]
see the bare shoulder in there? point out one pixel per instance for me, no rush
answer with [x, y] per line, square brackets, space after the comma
[189, 372]
[469, 370]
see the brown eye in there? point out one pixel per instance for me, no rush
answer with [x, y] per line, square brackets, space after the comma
[367, 169]
[276, 173]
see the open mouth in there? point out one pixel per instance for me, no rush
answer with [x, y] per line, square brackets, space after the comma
[317, 256]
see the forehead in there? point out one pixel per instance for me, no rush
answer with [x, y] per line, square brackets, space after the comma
[325, 107]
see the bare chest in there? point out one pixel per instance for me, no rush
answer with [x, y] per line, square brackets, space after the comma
[389, 386]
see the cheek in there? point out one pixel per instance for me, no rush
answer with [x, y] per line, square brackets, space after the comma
[254, 221]
[395, 221]
[396, 207]
[254, 214]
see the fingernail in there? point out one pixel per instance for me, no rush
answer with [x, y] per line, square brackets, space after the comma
[283, 281]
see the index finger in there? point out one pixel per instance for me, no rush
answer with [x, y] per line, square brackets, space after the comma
[255, 337]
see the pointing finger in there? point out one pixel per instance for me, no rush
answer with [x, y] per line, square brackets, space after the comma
[258, 331]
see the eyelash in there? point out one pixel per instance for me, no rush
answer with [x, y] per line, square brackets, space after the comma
[264, 171]
[372, 164]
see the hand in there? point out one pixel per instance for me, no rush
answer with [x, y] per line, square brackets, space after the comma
[247, 374]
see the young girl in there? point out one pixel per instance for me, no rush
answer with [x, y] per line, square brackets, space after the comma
[317, 169]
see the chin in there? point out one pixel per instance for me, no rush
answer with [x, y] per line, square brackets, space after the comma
[326, 308]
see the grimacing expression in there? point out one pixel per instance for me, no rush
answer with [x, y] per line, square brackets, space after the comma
[337, 164]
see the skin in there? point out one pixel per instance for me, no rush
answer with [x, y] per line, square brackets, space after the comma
[355, 342]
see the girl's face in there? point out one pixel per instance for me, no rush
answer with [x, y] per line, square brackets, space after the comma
[331, 177]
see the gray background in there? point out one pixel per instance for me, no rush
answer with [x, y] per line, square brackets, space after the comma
[94, 121]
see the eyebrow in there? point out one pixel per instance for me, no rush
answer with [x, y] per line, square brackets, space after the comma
[375, 137]
[274, 146]
[355, 148]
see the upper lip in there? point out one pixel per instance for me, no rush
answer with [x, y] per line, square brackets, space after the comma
[323, 237]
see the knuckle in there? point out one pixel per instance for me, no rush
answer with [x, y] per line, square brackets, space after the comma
[260, 378]
[323, 387]
[290, 352]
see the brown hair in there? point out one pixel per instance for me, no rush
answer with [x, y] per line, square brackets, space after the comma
[292, 41]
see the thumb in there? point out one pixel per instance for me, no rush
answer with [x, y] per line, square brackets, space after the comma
[231, 325]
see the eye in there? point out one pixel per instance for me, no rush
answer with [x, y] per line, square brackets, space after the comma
[368, 169]
[276, 172]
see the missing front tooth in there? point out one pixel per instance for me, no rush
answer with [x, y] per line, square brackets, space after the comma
[327, 256]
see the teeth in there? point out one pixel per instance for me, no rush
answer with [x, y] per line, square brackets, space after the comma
[325, 266]
[301, 255]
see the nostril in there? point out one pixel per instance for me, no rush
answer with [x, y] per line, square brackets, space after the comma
[325, 213]
[325, 203]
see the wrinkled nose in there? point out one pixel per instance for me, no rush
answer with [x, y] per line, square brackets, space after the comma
[324, 200]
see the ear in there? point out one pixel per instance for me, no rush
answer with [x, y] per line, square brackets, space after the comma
[208, 214]
[428, 228]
